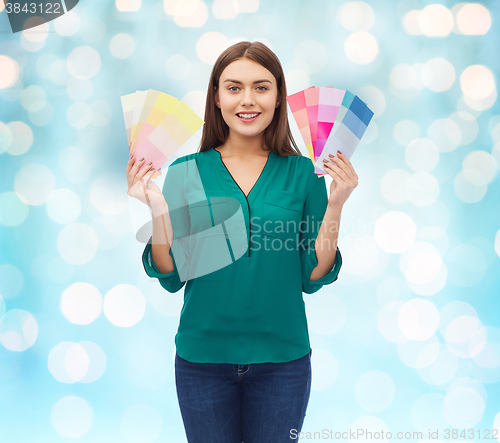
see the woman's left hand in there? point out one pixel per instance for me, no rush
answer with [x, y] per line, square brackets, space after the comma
[344, 178]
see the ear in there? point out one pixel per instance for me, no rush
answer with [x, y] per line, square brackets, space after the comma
[216, 97]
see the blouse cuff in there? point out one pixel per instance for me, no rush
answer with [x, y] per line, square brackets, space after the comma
[312, 262]
[150, 267]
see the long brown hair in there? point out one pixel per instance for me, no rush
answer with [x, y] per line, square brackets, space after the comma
[277, 136]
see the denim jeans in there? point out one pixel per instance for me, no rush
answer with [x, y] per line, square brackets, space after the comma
[230, 403]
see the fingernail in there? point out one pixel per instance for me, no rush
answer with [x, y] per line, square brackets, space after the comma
[338, 152]
[141, 159]
[132, 156]
[150, 163]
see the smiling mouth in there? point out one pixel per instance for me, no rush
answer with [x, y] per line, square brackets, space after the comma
[248, 116]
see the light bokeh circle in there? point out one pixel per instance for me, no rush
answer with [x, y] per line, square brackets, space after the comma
[18, 330]
[473, 19]
[72, 417]
[210, 45]
[356, 16]
[361, 47]
[421, 263]
[68, 24]
[422, 155]
[427, 413]
[438, 74]
[122, 45]
[463, 407]
[83, 62]
[436, 20]
[395, 231]
[20, 138]
[34, 184]
[124, 305]
[81, 303]
[422, 188]
[479, 167]
[9, 71]
[418, 319]
[467, 191]
[477, 82]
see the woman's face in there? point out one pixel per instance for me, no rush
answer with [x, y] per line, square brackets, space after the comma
[247, 97]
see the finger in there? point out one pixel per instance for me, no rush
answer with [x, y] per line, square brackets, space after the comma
[130, 163]
[144, 170]
[348, 170]
[137, 164]
[335, 177]
[344, 158]
[145, 177]
[327, 169]
[340, 163]
[338, 170]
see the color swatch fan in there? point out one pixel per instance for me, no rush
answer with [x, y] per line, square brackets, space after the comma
[157, 125]
[329, 119]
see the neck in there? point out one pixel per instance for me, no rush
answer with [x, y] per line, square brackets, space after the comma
[241, 146]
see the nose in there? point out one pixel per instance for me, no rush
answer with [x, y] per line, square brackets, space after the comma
[247, 98]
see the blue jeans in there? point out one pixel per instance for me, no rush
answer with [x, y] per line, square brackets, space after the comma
[230, 403]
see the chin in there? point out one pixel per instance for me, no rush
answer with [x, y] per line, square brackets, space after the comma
[249, 135]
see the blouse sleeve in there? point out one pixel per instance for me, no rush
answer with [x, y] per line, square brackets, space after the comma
[171, 281]
[314, 211]
[173, 191]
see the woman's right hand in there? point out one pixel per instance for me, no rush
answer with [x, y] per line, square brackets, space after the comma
[141, 187]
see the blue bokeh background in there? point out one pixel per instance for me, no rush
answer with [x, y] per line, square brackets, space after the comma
[406, 340]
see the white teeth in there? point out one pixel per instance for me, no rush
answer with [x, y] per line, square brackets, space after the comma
[247, 115]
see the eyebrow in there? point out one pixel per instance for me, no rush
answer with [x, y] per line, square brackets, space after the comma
[237, 81]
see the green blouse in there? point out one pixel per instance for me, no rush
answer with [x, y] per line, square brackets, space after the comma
[245, 260]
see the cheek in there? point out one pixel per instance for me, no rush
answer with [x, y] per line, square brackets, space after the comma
[226, 101]
[226, 108]
[270, 105]
[270, 116]
[271, 109]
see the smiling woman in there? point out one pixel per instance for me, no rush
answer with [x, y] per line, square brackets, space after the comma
[243, 328]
